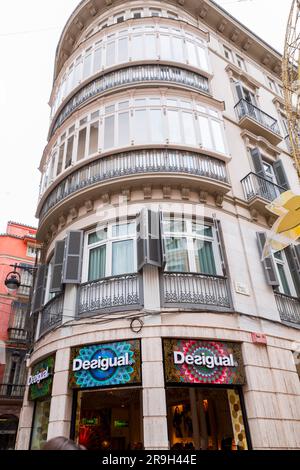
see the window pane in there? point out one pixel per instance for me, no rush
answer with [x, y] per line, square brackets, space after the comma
[140, 126]
[202, 58]
[200, 229]
[109, 132]
[98, 236]
[189, 129]
[123, 50]
[150, 46]
[94, 132]
[192, 56]
[174, 126]
[69, 153]
[284, 283]
[165, 49]
[97, 263]
[110, 53]
[124, 128]
[87, 66]
[81, 144]
[123, 230]
[60, 159]
[206, 140]
[218, 136]
[176, 255]
[205, 262]
[122, 257]
[175, 225]
[177, 49]
[137, 47]
[97, 59]
[157, 134]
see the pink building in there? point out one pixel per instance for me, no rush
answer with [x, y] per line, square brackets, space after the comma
[17, 246]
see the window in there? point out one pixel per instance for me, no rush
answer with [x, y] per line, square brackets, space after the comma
[136, 14]
[60, 159]
[111, 251]
[31, 251]
[228, 54]
[286, 285]
[155, 12]
[190, 246]
[69, 153]
[87, 64]
[272, 85]
[240, 62]
[120, 18]
[94, 132]
[81, 144]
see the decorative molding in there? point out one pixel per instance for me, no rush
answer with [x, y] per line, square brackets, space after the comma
[126, 193]
[254, 214]
[70, 39]
[108, 2]
[181, 2]
[62, 220]
[260, 142]
[185, 193]
[271, 220]
[234, 35]
[79, 23]
[239, 74]
[219, 199]
[277, 68]
[167, 190]
[147, 192]
[73, 213]
[105, 198]
[266, 59]
[247, 44]
[53, 229]
[203, 195]
[222, 25]
[89, 205]
[203, 10]
[93, 10]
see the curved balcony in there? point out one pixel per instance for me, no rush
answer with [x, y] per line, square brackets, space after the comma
[153, 162]
[52, 314]
[258, 191]
[195, 291]
[131, 76]
[288, 307]
[111, 294]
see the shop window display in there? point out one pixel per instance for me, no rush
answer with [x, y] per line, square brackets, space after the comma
[40, 424]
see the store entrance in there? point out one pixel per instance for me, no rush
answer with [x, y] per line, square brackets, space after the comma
[109, 419]
[205, 419]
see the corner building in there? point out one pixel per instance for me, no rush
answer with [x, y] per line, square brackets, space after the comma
[158, 324]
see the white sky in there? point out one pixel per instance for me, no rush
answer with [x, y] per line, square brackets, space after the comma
[29, 33]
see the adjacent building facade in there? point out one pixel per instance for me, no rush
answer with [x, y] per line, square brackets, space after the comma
[17, 246]
[159, 326]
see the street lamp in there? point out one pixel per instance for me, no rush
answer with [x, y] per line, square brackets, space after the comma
[13, 278]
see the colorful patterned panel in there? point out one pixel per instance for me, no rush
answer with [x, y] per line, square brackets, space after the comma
[237, 420]
[106, 365]
[203, 362]
[41, 379]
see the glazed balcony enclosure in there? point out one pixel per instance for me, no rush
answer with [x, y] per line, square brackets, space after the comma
[258, 122]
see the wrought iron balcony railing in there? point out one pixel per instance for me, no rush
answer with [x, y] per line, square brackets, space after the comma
[194, 290]
[255, 185]
[128, 76]
[136, 162]
[288, 307]
[244, 108]
[18, 334]
[14, 391]
[116, 293]
[52, 314]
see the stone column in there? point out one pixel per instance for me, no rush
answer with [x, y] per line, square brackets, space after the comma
[61, 402]
[25, 423]
[154, 397]
[70, 302]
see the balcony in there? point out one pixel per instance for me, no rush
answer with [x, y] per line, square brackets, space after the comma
[154, 162]
[52, 314]
[288, 307]
[258, 191]
[111, 294]
[12, 391]
[195, 291]
[258, 122]
[142, 74]
[19, 335]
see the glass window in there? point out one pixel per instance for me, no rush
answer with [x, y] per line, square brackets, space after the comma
[189, 128]
[240, 62]
[97, 263]
[228, 53]
[110, 53]
[97, 59]
[150, 43]
[206, 140]
[60, 159]
[192, 55]
[137, 51]
[123, 50]
[165, 47]
[40, 424]
[156, 124]
[202, 58]
[87, 65]
[174, 126]
[286, 286]
[140, 126]
[98, 236]
[122, 257]
[69, 153]
[178, 48]
[218, 136]
[123, 230]
[81, 144]
[123, 129]
[109, 132]
[205, 262]
[94, 133]
[176, 255]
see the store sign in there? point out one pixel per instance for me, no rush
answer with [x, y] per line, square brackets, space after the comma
[203, 362]
[41, 378]
[106, 364]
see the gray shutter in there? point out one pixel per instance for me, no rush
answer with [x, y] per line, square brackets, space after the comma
[268, 263]
[148, 239]
[162, 241]
[58, 259]
[39, 288]
[257, 162]
[293, 256]
[221, 245]
[73, 257]
[239, 91]
[281, 175]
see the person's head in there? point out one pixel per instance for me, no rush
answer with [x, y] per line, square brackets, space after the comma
[62, 443]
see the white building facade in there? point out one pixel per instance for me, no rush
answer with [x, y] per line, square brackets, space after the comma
[158, 326]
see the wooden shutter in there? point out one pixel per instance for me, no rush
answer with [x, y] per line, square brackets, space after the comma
[73, 257]
[221, 245]
[58, 259]
[281, 175]
[293, 257]
[268, 263]
[148, 239]
[257, 162]
[39, 288]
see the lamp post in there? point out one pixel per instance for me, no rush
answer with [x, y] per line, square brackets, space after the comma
[13, 278]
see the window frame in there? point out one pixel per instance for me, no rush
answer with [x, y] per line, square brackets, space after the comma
[287, 272]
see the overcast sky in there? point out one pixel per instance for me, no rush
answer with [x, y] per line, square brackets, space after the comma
[29, 33]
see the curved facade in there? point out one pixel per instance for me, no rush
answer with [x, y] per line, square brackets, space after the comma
[158, 324]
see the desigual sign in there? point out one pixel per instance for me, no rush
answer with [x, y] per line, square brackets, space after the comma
[106, 364]
[203, 362]
[41, 378]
